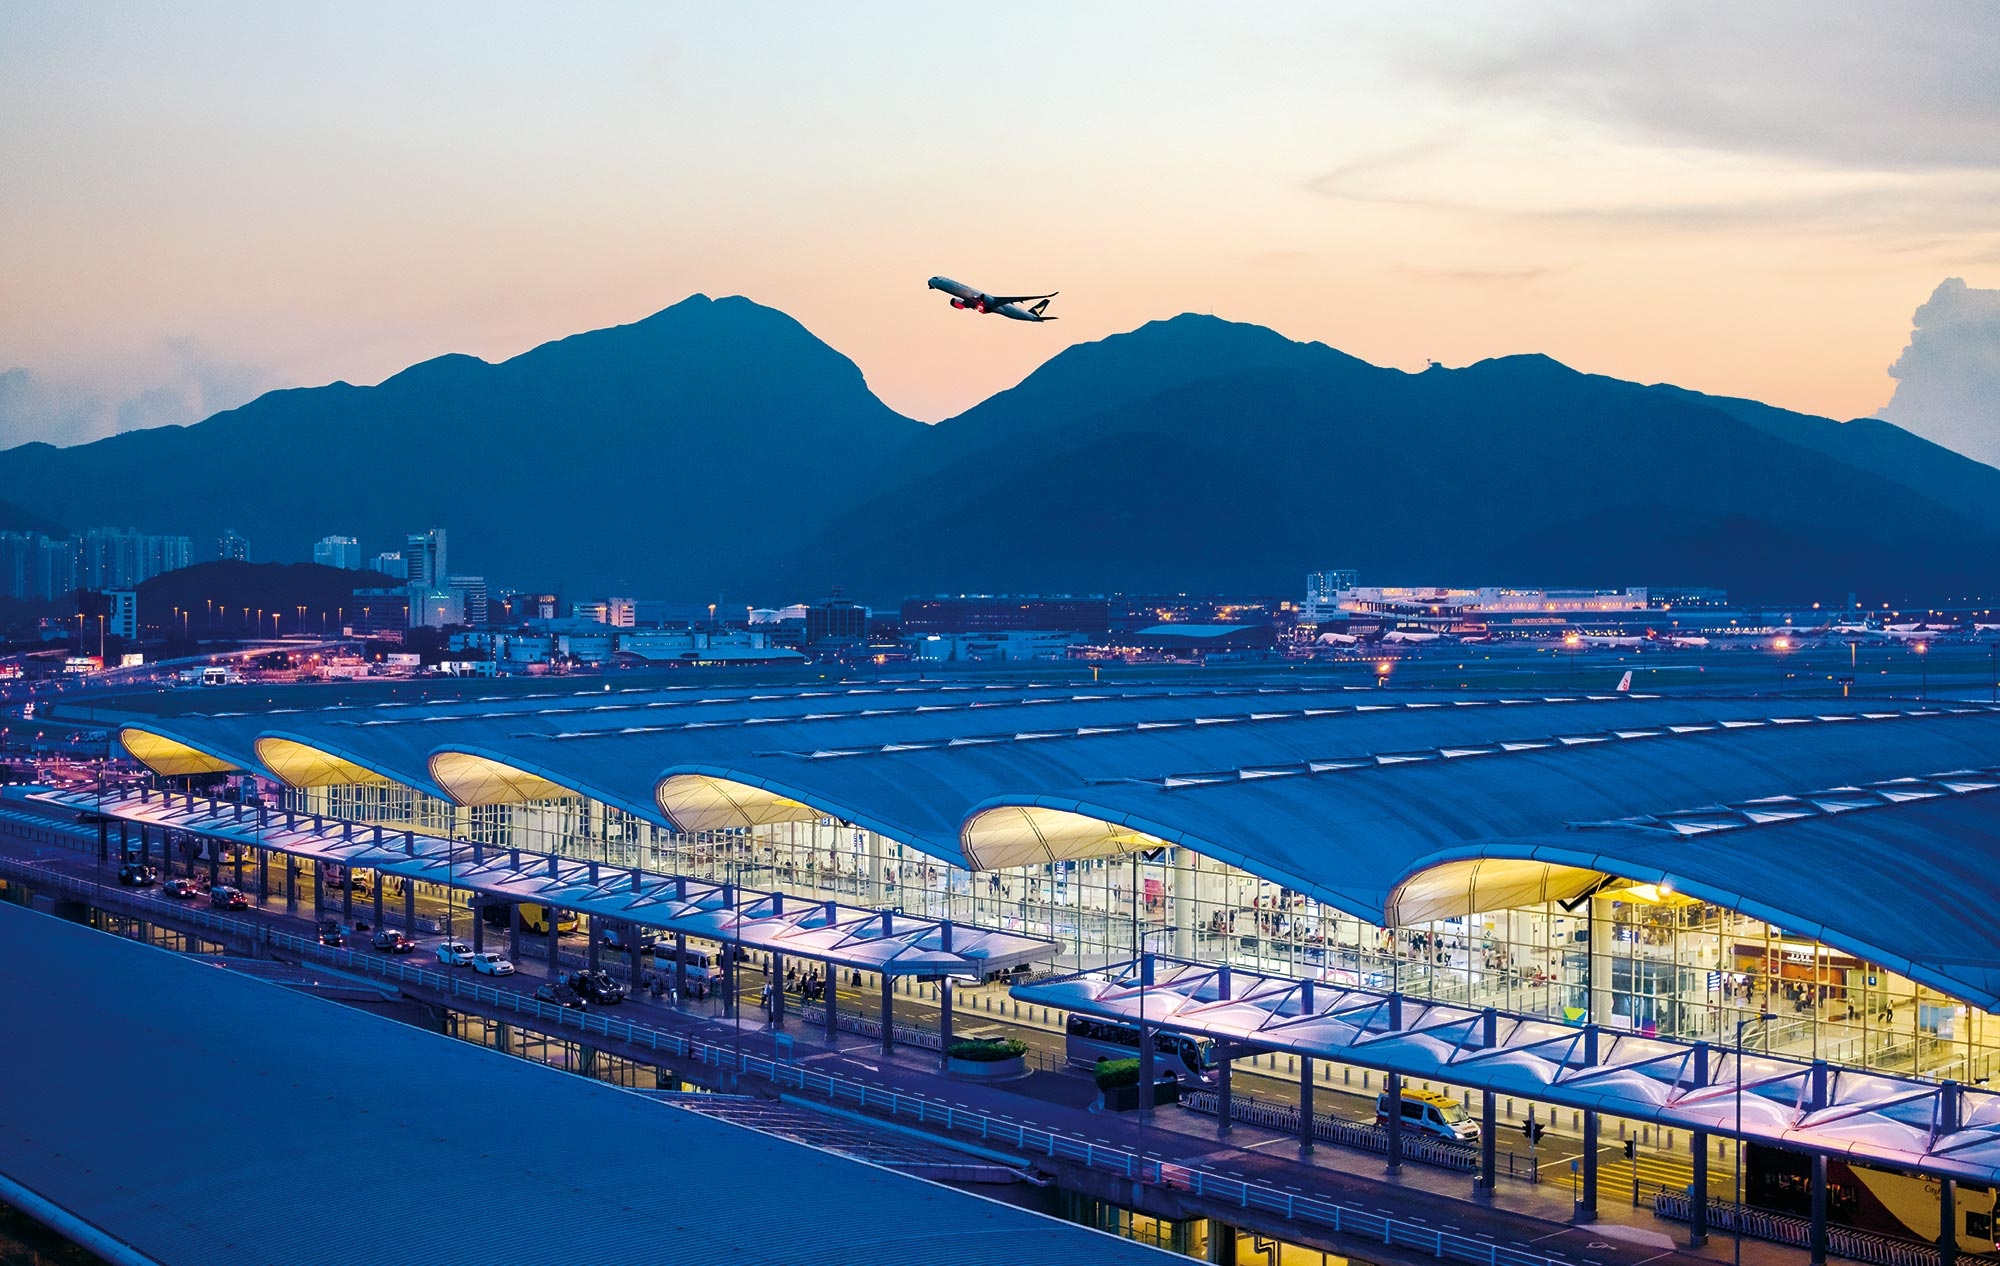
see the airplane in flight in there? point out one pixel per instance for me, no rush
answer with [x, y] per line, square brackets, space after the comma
[964, 296]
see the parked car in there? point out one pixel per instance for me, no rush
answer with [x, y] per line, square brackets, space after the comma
[488, 963]
[224, 897]
[390, 941]
[454, 953]
[596, 986]
[181, 889]
[332, 934]
[137, 875]
[562, 996]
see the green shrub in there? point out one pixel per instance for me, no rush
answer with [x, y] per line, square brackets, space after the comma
[987, 1050]
[1112, 1073]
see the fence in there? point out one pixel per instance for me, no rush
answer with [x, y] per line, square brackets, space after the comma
[1780, 1228]
[1284, 1117]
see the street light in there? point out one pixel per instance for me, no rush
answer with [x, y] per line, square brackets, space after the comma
[1736, 1215]
[1571, 642]
[1924, 665]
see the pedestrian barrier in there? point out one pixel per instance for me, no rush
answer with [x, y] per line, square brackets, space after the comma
[1030, 1140]
[1780, 1228]
[1284, 1117]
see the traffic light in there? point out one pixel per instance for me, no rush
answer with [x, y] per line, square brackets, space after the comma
[1533, 1129]
[1631, 1149]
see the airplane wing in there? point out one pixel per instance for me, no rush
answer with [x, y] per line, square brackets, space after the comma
[1022, 298]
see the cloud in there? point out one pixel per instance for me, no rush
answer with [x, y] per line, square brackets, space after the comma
[1841, 83]
[1948, 378]
[173, 384]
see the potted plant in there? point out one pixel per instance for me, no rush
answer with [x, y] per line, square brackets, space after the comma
[1119, 1089]
[986, 1057]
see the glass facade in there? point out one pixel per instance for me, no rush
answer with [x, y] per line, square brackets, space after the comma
[1628, 957]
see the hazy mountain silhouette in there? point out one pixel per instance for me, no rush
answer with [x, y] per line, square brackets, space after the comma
[659, 456]
[1269, 458]
[719, 448]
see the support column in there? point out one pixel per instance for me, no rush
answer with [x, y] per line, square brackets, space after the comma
[1148, 1067]
[554, 917]
[125, 844]
[1306, 1079]
[1602, 930]
[731, 996]
[596, 944]
[888, 1016]
[347, 893]
[1225, 1112]
[377, 886]
[1392, 1093]
[1586, 1201]
[1489, 1123]
[680, 963]
[944, 1000]
[104, 842]
[1182, 886]
[1950, 1109]
[238, 865]
[830, 999]
[291, 884]
[513, 929]
[1698, 1141]
[410, 906]
[214, 847]
[1817, 1242]
[478, 929]
[263, 874]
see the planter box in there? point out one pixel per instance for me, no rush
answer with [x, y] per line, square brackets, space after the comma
[986, 1068]
[1129, 1098]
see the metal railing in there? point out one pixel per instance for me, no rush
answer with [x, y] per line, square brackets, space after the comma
[1780, 1228]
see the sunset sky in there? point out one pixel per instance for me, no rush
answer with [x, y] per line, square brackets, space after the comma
[202, 201]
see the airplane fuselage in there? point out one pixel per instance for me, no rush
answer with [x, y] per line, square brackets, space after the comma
[971, 299]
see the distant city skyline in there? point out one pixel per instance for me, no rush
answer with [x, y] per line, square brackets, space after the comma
[206, 205]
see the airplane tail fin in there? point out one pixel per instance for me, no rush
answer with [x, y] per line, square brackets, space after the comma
[1039, 308]
[1625, 682]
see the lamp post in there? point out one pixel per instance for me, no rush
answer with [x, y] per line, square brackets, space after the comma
[1570, 643]
[1924, 668]
[1736, 1215]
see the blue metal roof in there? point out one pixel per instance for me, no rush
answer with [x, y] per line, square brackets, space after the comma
[1339, 793]
[207, 1117]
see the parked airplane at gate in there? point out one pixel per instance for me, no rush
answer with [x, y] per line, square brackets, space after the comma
[966, 297]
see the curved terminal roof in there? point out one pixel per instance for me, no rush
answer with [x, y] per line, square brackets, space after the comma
[1388, 806]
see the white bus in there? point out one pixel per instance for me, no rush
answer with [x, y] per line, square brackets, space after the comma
[1086, 1041]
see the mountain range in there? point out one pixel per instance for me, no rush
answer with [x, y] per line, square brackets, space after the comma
[718, 450]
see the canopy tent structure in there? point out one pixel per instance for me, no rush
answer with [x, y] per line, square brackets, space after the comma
[1939, 1129]
[886, 942]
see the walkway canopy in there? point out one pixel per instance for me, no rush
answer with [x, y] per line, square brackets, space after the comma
[1905, 1123]
[873, 940]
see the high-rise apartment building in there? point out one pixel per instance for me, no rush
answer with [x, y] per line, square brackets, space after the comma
[232, 547]
[423, 553]
[391, 563]
[338, 551]
[471, 591]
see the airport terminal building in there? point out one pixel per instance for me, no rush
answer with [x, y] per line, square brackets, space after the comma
[1659, 867]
